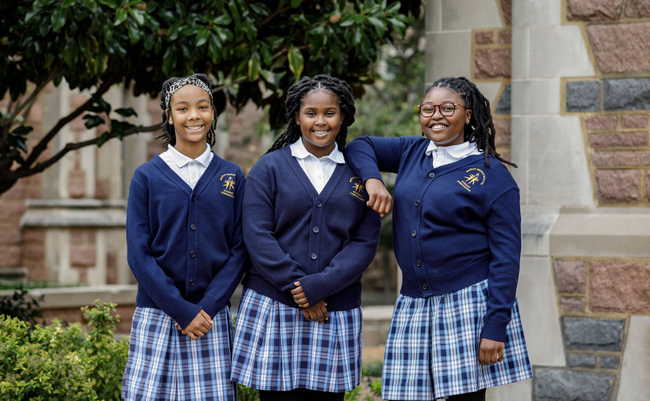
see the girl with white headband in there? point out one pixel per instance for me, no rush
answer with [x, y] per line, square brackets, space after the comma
[185, 248]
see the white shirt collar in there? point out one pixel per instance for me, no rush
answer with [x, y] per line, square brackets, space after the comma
[299, 151]
[459, 151]
[181, 160]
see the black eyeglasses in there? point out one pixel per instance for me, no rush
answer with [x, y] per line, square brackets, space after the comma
[447, 109]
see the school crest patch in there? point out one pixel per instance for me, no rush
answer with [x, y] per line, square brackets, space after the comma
[228, 184]
[357, 188]
[473, 177]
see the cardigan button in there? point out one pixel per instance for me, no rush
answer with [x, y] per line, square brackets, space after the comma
[314, 256]
[192, 254]
[316, 230]
[425, 287]
[319, 203]
[194, 198]
[417, 203]
[418, 263]
[192, 283]
[432, 174]
[193, 227]
[414, 234]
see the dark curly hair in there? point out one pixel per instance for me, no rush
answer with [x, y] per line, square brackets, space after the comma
[295, 95]
[169, 135]
[480, 129]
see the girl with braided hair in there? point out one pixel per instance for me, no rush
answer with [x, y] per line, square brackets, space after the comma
[185, 248]
[456, 328]
[310, 236]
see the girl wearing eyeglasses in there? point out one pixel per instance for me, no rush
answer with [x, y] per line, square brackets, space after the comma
[456, 328]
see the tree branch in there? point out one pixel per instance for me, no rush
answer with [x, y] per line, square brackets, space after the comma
[42, 144]
[21, 173]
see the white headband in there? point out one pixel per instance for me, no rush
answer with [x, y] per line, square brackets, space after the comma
[186, 81]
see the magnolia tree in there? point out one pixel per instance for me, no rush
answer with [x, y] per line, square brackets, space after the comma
[251, 51]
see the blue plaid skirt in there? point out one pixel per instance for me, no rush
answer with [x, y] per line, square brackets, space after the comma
[276, 349]
[432, 347]
[164, 364]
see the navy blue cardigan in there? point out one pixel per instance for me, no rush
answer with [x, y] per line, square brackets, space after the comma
[453, 226]
[292, 233]
[185, 246]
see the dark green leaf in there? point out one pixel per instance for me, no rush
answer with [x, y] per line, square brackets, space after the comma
[357, 36]
[92, 121]
[70, 53]
[379, 26]
[102, 139]
[31, 14]
[347, 20]
[148, 42]
[295, 3]
[393, 8]
[254, 67]
[101, 103]
[174, 30]
[134, 31]
[398, 26]
[214, 46]
[67, 3]
[58, 19]
[110, 3]
[101, 62]
[222, 20]
[126, 112]
[120, 16]
[296, 61]
[22, 130]
[266, 54]
[138, 15]
[260, 8]
[90, 5]
[202, 36]
[169, 61]
[118, 128]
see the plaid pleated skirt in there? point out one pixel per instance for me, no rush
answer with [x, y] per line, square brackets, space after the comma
[164, 364]
[432, 347]
[276, 349]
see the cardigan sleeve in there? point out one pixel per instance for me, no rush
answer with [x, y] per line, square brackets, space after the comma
[368, 156]
[151, 277]
[270, 260]
[504, 235]
[347, 265]
[222, 286]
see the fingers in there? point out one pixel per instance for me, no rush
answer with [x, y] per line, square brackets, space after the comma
[490, 351]
[379, 199]
[306, 315]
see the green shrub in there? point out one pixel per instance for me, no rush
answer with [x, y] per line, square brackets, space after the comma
[21, 306]
[56, 362]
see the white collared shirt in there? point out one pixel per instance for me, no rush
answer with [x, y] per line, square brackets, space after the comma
[190, 170]
[443, 155]
[318, 170]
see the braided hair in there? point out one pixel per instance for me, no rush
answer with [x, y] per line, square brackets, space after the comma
[480, 129]
[169, 134]
[297, 93]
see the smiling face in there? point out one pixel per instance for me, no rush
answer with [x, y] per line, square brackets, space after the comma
[319, 119]
[445, 131]
[191, 117]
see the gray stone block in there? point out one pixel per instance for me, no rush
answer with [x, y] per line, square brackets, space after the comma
[558, 385]
[503, 107]
[593, 334]
[582, 361]
[583, 96]
[609, 362]
[627, 94]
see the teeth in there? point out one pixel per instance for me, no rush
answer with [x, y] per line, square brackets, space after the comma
[195, 127]
[321, 132]
[438, 126]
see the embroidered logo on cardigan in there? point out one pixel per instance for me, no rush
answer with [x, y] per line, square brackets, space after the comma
[357, 188]
[228, 184]
[474, 176]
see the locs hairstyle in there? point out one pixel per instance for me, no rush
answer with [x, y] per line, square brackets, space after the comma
[169, 134]
[295, 95]
[480, 129]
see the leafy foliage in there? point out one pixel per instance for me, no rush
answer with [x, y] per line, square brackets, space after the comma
[252, 51]
[21, 306]
[62, 363]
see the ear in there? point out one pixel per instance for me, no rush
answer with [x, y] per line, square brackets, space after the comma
[297, 119]
[468, 115]
[170, 120]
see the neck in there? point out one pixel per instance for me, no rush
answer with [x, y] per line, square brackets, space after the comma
[191, 150]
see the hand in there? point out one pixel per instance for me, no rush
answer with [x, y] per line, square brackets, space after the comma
[379, 198]
[299, 296]
[199, 326]
[490, 351]
[317, 313]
